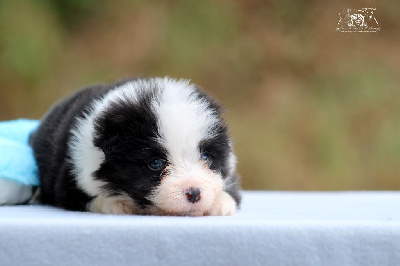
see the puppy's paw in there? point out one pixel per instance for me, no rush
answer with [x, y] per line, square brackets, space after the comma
[113, 205]
[224, 205]
[122, 207]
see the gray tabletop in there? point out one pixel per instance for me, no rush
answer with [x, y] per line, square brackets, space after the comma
[272, 228]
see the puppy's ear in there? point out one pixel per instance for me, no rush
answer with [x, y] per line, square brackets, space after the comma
[108, 132]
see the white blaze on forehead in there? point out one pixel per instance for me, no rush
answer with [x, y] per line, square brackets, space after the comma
[184, 120]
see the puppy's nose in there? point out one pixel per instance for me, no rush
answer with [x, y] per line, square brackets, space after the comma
[193, 194]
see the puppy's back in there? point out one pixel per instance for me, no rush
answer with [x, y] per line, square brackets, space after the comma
[50, 146]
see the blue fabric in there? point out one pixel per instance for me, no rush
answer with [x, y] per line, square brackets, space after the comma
[16, 156]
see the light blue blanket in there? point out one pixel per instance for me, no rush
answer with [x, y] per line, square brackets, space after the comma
[18, 169]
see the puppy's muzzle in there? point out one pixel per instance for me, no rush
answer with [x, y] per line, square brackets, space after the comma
[193, 194]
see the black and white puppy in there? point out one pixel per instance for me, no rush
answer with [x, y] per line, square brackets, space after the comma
[144, 146]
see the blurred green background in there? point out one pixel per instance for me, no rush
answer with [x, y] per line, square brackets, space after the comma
[309, 108]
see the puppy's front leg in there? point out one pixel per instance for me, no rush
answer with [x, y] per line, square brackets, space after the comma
[223, 205]
[112, 205]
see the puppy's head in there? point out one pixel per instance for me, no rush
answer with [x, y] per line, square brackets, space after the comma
[160, 142]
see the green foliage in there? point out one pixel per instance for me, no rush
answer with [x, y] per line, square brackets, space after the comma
[309, 108]
[28, 38]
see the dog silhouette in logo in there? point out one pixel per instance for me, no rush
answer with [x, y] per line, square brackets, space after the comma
[357, 20]
[369, 19]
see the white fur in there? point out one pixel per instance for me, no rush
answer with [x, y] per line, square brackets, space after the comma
[183, 121]
[86, 158]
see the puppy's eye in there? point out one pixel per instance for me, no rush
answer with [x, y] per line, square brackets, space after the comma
[206, 157]
[157, 164]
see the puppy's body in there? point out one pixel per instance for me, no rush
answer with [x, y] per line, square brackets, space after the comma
[145, 146]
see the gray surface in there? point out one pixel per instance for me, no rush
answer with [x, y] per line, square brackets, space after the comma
[273, 228]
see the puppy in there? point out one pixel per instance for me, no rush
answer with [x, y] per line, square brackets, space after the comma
[144, 146]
